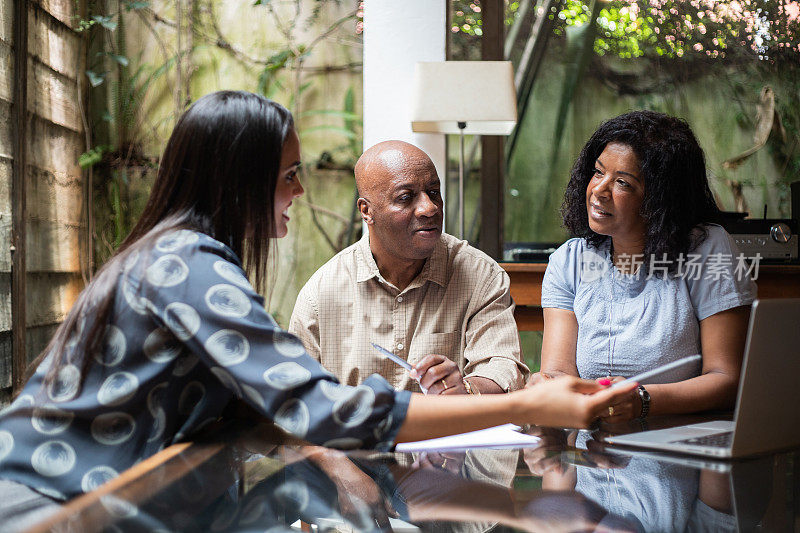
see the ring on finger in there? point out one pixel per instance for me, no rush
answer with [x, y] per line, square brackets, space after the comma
[610, 410]
[444, 384]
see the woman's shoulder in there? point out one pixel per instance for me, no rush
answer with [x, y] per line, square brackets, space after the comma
[711, 239]
[174, 255]
[571, 247]
[572, 252]
[192, 245]
[575, 261]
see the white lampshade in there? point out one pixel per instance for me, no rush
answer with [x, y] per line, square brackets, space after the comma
[480, 93]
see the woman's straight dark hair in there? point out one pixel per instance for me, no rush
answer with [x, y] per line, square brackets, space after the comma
[217, 176]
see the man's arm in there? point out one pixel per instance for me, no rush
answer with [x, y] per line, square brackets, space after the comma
[304, 322]
[493, 354]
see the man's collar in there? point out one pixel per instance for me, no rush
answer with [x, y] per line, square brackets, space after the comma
[366, 267]
[435, 268]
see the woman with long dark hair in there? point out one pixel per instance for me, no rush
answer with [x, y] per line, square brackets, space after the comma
[171, 330]
[648, 277]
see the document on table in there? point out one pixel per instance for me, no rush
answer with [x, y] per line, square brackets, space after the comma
[505, 436]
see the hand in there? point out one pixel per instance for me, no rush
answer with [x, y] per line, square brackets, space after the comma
[435, 371]
[626, 408]
[538, 377]
[568, 401]
[361, 502]
[450, 461]
[596, 451]
[546, 456]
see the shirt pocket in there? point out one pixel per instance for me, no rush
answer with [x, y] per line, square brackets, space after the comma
[446, 344]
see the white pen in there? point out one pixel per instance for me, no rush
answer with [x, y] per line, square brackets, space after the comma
[402, 362]
[639, 378]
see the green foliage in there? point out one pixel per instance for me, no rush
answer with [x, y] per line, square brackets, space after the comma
[331, 129]
[352, 122]
[122, 60]
[269, 81]
[466, 21]
[107, 22]
[661, 28]
[132, 88]
[130, 5]
[93, 156]
[96, 78]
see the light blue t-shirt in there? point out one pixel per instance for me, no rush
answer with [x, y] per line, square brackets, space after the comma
[629, 324]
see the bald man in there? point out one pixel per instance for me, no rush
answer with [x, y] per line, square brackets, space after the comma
[430, 298]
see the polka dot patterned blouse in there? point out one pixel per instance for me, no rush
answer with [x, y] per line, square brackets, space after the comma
[187, 335]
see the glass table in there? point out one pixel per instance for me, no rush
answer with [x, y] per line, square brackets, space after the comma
[243, 477]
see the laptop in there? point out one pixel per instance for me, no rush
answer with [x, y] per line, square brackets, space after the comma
[766, 416]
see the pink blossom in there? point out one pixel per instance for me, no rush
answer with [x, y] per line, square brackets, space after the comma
[792, 11]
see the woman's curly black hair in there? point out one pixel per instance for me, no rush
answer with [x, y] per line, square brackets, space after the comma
[677, 197]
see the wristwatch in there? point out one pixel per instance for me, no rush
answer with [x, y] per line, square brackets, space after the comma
[645, 397]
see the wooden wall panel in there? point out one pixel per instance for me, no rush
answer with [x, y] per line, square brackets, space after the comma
[55, 149]
[5, 228]
[53, 247]
[36, 338]
[5, 301]
[53, 96]
[54, 198]
[52, 43]
[7, 21]
[61, 10]
[7, 70]
[6, 139]
[52, 178]
[49, 298]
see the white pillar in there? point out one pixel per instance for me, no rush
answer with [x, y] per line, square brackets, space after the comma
[397, 34]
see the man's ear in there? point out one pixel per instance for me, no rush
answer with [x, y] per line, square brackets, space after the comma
[363, 208]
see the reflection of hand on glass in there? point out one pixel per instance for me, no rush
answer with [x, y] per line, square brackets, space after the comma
[360, 499]
[546, 456]
[596, 452]
[447, 461]
[432, 495]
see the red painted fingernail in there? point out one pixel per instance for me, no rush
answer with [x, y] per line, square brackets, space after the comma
[604, 382]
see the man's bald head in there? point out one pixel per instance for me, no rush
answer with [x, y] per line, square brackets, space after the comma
[400, 199]
[388, 159]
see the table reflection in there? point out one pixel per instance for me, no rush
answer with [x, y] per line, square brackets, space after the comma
[571, 481]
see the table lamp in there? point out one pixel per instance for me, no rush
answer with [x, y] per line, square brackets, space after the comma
[464, 97]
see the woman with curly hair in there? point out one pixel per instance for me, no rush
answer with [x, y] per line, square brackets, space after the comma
[649, 277]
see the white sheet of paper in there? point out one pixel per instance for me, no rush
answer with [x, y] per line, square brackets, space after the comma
[505, 436]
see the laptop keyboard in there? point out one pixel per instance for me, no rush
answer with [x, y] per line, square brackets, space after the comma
[717, 440]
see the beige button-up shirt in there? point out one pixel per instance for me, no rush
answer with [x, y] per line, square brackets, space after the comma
[459, 306]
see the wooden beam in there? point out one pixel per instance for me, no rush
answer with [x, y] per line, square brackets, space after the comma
[19, 208]
[492, 154]
[135, 485]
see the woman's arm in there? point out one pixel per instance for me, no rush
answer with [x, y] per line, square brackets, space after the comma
[562, 402]
[559, 343]
[722, 339]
